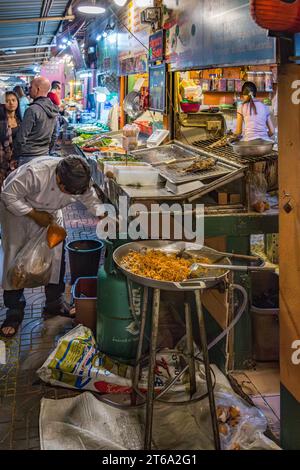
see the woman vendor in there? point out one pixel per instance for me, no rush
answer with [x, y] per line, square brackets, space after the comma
[253, 117]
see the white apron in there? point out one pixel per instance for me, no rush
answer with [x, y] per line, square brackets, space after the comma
[34, 185]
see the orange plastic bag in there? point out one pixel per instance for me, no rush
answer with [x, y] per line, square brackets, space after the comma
[55, 235]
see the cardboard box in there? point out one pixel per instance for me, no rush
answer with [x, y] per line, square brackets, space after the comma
[222, 199]
[235, 198]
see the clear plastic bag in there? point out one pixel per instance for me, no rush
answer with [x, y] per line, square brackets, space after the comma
[33, 263]
[258, 192]
[241, 426]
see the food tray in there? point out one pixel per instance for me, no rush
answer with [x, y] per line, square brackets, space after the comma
[180, 152]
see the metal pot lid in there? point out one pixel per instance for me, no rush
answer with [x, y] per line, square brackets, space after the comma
[132, 105]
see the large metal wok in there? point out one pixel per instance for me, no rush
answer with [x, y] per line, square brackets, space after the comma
[256, 148]
[210, 279]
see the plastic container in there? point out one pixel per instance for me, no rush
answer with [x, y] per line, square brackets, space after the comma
[222, 84]
[260, 81]
[230, 85]
[144, 176]
[251, 77]
[190, 107]
[238, 85]
[84, 256]
[265, 316]
[111, 166]
[269, 81]
[84, 293]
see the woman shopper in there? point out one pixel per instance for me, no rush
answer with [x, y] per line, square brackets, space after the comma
[10, 120]
[24, 102]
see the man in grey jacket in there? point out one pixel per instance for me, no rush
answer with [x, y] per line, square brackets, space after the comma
[37, 129]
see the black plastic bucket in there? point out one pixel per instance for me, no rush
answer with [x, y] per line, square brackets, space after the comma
[84, 256]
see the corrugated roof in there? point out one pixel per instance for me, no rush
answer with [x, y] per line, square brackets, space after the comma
[22, 37]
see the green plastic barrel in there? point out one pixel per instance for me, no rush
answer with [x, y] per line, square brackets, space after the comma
[117, 329]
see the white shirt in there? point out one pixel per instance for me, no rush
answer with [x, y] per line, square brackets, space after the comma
[255, 125]
[34, 186]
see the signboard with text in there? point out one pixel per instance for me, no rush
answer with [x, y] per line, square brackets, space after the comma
[156, 46]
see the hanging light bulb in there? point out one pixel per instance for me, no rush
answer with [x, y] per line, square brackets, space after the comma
[90, 7]
[144, 3]
[120, 3]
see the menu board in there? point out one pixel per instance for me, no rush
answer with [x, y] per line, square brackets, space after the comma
[156, 46]
[203, 33]
[157, 88]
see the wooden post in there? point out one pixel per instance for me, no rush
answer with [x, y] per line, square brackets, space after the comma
[289, 223]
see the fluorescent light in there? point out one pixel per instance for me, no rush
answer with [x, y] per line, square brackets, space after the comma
[99, 36]
[144, 3]
[112, 38]
[65, 40]
[90, 8]
[120, 3]
[101, 97]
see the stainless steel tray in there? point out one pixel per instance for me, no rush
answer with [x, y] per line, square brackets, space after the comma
[211, 278]
[178, 151]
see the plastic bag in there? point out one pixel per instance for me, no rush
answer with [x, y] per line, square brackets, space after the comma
[33, 263]
[258, 192]
[241, 426]
[55, 235]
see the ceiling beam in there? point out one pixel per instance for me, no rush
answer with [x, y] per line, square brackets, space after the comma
[21, 54]
[40, 46]
[31, 61]
[34, 36]
[38, 20]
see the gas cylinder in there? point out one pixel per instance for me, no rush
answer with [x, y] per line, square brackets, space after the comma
[117, 326]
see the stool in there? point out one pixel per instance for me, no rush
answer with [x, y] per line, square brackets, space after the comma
[191, 359]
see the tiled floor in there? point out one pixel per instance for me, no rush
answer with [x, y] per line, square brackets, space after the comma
[20, 389]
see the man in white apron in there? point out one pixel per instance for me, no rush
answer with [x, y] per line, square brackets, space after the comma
[32, 197]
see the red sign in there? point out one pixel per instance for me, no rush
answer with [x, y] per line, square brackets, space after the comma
[156, 46]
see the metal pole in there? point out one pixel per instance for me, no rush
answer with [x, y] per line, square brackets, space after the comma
[190, 348]
[17, 48]
[210, 391]
[38, 20]
[27, 36]
[136, 369]
[151, 372]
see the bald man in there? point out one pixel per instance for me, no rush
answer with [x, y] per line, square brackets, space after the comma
[38, 127]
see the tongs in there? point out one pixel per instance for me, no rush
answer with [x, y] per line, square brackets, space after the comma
[230, 267]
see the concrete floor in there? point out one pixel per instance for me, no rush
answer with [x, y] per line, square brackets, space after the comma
[20, 388]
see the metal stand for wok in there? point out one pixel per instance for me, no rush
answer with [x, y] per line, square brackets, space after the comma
[191, 360]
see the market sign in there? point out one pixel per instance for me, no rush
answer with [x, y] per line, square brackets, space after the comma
[156, 46]
[205, 33]
[132, 65]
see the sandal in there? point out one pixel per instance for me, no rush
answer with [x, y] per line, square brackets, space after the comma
[13, 320]
[63, 310]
